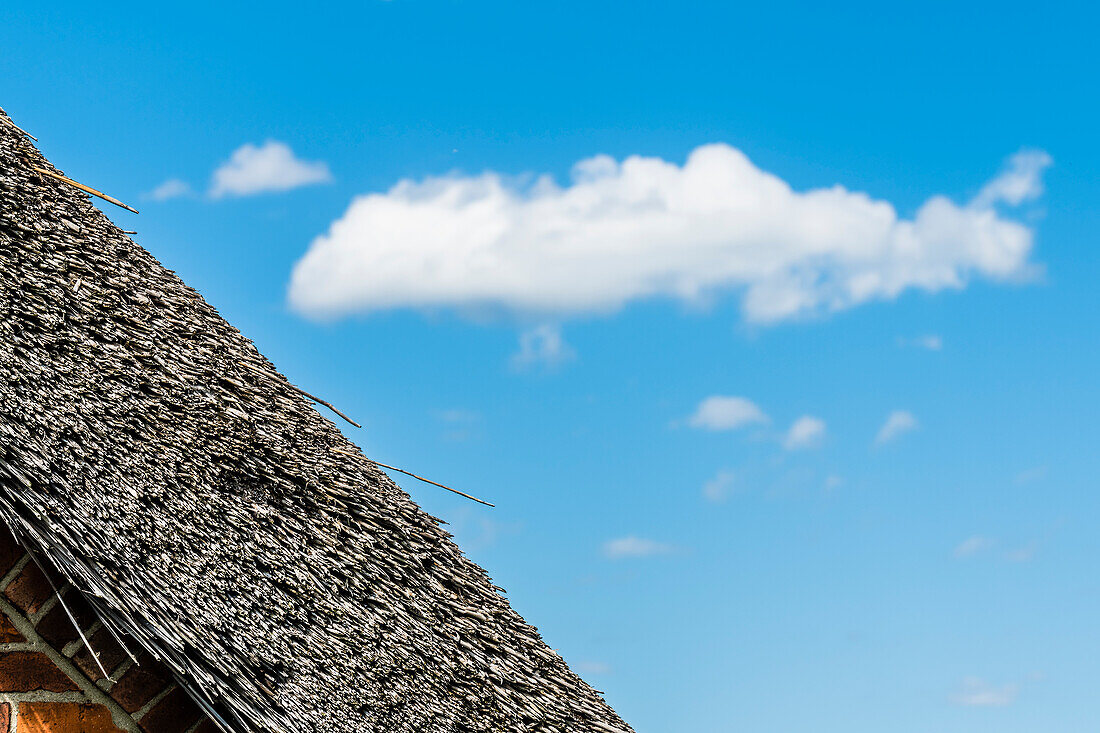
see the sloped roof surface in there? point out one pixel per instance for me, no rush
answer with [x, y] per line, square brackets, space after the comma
[173, 475]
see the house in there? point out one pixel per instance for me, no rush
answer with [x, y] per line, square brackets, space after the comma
[191, 546]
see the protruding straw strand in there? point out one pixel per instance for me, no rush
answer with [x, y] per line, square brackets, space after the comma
[418, 478]
[64, 607]
[319, 401]
[17, 127]
[301, 391]
[82, 187]
[429, 481]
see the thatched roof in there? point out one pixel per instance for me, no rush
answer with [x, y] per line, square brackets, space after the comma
[206, 509]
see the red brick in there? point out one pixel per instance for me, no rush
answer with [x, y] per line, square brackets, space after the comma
[110, 655]
[65, 717]
[5, 716]
[206, 727]
[174, 714]
[57, 628]
[8, 635]
[29, 590]
[140, 684]
[29, 671]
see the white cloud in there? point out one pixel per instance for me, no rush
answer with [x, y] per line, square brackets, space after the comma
[931, 342]
[833, 481]
[542, 345]
[976, 692]
[1021, 180]
[644, 228]
[717, 489]
[253, 169]
[897, 423]
[805, 432]
[972, 546]
[170, 189]
[632, 546]
[720, 412]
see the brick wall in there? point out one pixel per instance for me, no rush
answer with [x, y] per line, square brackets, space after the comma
[49, 679]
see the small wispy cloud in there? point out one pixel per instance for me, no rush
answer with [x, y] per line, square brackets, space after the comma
[929, 341]
[473, 531]
[173, 188]
[833, 481]
[458, 416]
[631, 546]
[805, 432]
[897, 424]
[1030, 475]
[1024, 553]
[718, 488]
[542, 346]
[724, 412]
[977, 692]
[972, 546]
[594, 668]
[460, 424]
[1021, 180]
[273, 166]
[979, 545]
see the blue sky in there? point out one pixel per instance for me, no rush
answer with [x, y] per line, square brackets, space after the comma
[616, 372]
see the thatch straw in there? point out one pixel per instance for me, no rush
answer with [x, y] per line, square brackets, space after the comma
[206, 511]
